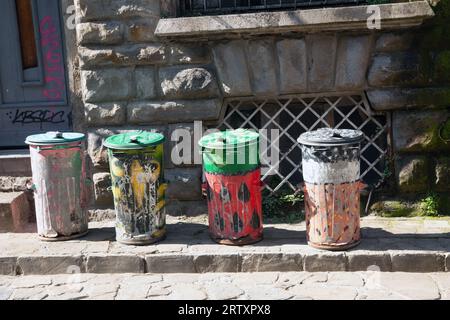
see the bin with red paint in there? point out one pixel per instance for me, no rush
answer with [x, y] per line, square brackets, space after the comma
[331, 174]
[233, 186]
[60, 185]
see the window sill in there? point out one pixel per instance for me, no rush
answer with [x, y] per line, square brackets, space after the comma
[395, 15]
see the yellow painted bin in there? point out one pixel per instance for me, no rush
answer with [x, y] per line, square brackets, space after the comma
[137, 176]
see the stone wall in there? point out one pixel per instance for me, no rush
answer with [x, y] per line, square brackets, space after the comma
[132, 79]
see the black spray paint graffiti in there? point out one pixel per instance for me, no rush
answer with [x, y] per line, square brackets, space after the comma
[41, 117]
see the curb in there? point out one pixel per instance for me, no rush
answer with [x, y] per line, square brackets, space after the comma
[392, 261]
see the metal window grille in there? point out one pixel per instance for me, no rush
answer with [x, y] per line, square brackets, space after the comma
[293, 115]
[200, 7]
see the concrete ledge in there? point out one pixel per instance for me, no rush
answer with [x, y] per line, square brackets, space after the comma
[342, 18]
[407, 245]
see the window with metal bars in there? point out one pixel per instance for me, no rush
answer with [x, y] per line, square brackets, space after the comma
[213, 7]
[290, 116]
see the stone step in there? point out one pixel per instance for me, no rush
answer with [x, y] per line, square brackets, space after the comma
[15, 163]
[415, 246]
[17, 212]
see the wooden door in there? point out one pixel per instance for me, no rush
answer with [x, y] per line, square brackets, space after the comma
[33, 82]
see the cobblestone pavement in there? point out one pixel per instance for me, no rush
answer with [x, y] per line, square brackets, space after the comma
[230, 286]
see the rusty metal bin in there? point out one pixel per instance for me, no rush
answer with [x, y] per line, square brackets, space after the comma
[137, 175]
[331, 173]
[233, 186]
[60, 185]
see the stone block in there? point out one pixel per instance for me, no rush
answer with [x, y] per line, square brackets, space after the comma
[107, 33]
[95, 137]
[107, 85]
[8, 266]
[394, 41]
[412, 174]
[187, 83]
[173, 111]
[103, 195]
[145, 82]
[405, 98]
[105, 114]
[184, 184]
[231, 63]
[115, 264]
[271, 262]
[321, 62]
[217, 263]
[417, 262]
[397, 69]
[369, 261]
[142, 30]
[292, 57]
[326, 262]
[88, 10]
[418, 131]
[352, 61]
[442, 171]
[262, 66]
[186, 208]
[174, 263]
[184, 53]
[50, 265]
[16, 212]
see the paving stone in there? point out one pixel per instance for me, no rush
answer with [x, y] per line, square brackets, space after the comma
[417, 262]
[366, 260]
[5, 293]
[186, 292]
[316, 277]
[26, 282]
[158, 290]
[133, 291]
[49, 264]
[266, 292]
[170, 264]
[29, 294]
[419, 287]
[217, 263]
[222, 291]
[101, 291]
[289, 279]
[378, 294]
[349, 279]
[115, 264]
[271, 262]
[325, 262]
[323, 292]
[262, 278]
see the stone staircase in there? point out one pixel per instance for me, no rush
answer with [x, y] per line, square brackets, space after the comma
[16, 202]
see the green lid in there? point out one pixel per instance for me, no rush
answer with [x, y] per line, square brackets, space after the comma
[229, 139]
[134, 140]
[54, 137]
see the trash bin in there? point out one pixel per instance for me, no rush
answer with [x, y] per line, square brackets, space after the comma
[137, 176]
[331, 174]
[60, 185]
[233, 186]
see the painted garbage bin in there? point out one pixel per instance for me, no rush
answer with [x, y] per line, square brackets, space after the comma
[137, 176]
[331, 173]
[233, 186]
[61, 187]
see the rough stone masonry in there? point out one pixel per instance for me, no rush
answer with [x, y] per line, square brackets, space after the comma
[132, 78]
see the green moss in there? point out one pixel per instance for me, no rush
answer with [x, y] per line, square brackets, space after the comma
[393, 208]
